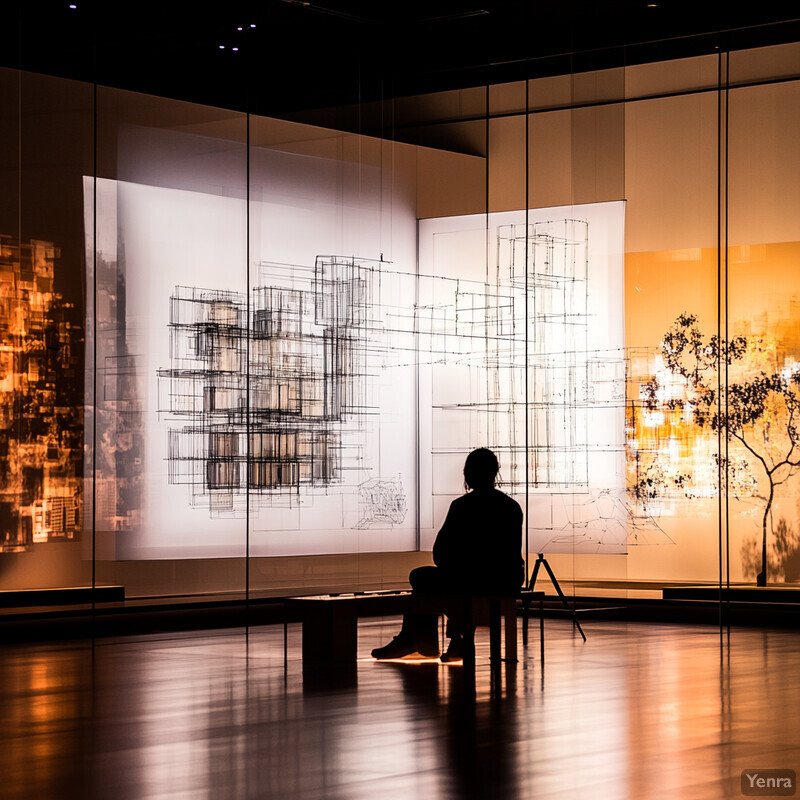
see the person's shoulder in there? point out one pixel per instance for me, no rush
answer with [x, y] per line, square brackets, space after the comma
[493, 497]
[462, 501]
[501, 498]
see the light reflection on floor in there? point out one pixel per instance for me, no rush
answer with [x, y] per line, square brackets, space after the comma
[636, 712]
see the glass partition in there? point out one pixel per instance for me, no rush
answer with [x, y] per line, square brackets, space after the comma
[168, 272]
[571, 244]
[671, 289]
[247, 357]
[762, 283]
[334, 424]
[46, 539]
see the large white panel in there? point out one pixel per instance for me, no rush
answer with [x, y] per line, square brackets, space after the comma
[525, 352]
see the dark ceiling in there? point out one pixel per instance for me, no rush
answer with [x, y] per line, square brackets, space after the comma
[280, 56]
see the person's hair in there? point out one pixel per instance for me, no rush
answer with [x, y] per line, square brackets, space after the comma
[481, 468]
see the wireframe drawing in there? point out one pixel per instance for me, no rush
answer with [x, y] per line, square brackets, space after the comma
[272, 388]
[528, 360]
[382, 503]
[291, 395]
[604, 519]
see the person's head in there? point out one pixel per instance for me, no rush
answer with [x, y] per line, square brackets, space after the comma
[481, 468]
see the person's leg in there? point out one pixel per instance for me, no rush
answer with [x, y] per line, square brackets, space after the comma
[419, 631]
[423, 628]
[426, 580]
[430, 580]
[455, 633]
[457, 627]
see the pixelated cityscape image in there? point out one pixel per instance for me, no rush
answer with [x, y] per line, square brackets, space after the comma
[41, 400]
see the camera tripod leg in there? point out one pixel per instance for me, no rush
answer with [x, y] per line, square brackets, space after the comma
[542, 561]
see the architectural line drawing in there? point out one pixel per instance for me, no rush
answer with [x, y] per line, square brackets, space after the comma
[303, 367]
[540, 320]
[287, 394]
[382, 503]
[533, 366]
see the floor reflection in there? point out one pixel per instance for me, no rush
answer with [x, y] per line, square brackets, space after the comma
[637, 712]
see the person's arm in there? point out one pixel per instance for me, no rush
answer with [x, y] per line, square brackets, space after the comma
[444, 548]
[520, 561]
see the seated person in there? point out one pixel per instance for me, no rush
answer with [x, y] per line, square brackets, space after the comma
[478, 551]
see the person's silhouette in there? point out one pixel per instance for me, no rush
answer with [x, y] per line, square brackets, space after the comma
[477, 551]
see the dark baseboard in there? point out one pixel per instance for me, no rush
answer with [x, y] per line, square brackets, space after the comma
[739, 594]
[174, 615]
[65, 596]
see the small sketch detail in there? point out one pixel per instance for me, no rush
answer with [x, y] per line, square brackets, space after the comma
[382, 503]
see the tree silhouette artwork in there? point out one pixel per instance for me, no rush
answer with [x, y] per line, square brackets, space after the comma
[755, 403]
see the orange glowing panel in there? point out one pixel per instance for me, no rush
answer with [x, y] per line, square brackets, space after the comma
[41, 400]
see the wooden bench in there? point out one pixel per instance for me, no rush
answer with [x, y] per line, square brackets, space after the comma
[330, 622]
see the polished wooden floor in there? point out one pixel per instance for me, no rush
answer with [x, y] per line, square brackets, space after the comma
[638, 711]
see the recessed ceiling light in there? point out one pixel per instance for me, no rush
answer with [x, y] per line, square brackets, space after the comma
[222, 47]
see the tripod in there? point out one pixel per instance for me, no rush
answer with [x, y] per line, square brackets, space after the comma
[542, 561]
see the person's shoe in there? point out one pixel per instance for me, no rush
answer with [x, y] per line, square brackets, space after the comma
[428, 647]
[455, 650]
[403, 645]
